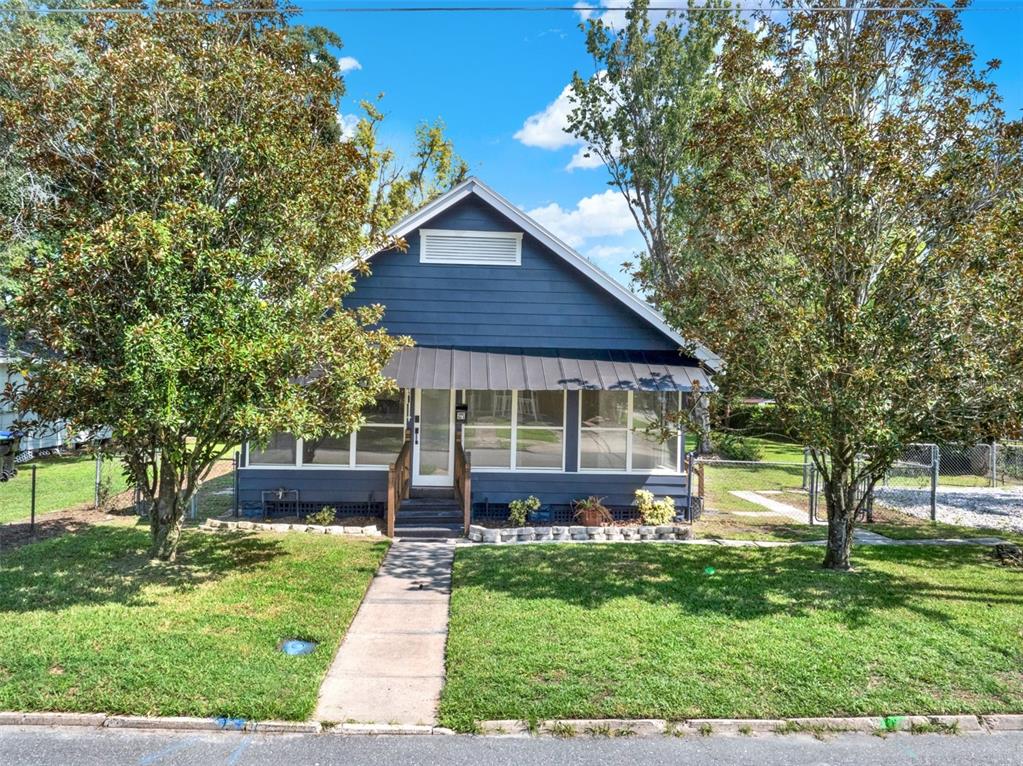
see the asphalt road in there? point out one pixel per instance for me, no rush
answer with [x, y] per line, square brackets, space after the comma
[38, 746]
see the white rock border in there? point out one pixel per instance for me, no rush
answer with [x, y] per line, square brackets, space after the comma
[579, 534]
[220, 525]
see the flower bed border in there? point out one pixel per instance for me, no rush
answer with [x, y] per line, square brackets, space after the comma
[219, 525]
[578, 534]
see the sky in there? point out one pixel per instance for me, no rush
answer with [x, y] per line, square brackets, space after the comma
[498, 81]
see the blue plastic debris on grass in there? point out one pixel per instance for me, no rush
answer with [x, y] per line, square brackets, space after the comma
[295, 647]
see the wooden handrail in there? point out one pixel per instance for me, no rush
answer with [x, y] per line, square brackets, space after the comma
[463, 484]
[399, 477]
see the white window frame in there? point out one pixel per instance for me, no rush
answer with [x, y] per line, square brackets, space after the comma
[630, 430]
[426, 233]
[513, 467]
[349, 466]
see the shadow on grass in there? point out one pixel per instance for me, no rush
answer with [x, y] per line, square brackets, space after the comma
[738, 583]
[110, 565]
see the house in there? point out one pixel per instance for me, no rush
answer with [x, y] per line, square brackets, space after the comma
[533, 373]
[47, 436]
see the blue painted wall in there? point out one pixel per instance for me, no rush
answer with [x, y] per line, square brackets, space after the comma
[315, 485]
[544, 303]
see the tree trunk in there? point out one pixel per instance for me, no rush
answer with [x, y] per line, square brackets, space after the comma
[701, 411]
[167, 515]
[838, 496]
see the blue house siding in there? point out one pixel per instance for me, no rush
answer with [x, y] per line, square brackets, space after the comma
[544, 299]
[315, 485]
[563, 488]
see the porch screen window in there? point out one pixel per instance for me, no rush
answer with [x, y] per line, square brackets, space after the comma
[375, 445]
[378, 442]
[623, 430]
[488, 432]
[516, 430]
[280, 450]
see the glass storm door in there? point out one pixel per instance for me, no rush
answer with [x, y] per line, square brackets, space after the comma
[433, 439]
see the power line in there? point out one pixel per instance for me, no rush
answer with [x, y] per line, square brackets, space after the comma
[520, 9]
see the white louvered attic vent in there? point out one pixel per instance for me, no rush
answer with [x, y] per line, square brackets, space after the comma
[482, 248]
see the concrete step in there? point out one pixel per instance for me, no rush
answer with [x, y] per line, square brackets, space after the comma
[431, 492]
[430, 532]
[439, 504]
[428, 517]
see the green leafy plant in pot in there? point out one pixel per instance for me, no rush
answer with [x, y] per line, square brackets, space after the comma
[591, 512]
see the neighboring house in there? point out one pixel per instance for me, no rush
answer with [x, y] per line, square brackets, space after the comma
[557, 370]
[49, 435]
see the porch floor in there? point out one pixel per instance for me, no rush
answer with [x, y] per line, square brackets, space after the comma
[390, 667]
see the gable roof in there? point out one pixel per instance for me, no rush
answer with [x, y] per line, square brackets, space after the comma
[473, 186]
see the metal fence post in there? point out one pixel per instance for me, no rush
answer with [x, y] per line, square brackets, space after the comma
[99, 478]
[812, 482]
[806, 468]
[994, 464]
[32, 518]
[689, 486]
[935, 468]
[237, 460]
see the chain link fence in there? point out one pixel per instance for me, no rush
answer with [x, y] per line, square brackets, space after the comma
[52, 493]
[976, 485]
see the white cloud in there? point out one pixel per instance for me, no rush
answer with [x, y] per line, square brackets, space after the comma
[608, 253]
[583, 159]
[348, 64]
[617, 19]
[348, 124]
[548, 129]
[599, 215]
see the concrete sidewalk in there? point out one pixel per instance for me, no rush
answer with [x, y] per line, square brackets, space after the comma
[390, 666]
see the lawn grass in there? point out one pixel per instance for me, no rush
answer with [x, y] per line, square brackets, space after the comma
[636, 631]
[88, 624]
[61, 482]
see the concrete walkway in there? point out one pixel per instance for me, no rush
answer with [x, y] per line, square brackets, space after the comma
[390, 667]
[774, 506]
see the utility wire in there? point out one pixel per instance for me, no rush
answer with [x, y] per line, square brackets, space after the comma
[520, 9]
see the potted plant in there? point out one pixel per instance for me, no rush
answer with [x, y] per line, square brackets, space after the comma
[591, 512]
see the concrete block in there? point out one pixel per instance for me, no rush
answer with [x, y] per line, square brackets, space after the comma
[1003, 722]
[285, 727]
[387, 729]
[491, 535]
[173, 723]
[61, 719]
[507, 728]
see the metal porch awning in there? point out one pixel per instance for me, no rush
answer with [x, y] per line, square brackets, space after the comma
[425, 367]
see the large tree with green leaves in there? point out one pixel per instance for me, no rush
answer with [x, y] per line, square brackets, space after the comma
[182, 269]
[839, 218]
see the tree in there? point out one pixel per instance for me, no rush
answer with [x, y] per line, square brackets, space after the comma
[843, 231]
[183, 271]
[400, 188]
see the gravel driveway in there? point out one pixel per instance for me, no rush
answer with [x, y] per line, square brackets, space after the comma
[966, 506]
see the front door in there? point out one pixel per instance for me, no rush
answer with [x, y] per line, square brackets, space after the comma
[433, 439]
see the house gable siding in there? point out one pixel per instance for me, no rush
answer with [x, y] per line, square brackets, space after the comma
[544, 302]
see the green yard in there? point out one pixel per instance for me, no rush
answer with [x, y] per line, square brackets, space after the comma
[61, 482]
[673, 632]
[87, 624]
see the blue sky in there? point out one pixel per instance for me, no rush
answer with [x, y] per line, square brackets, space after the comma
[495, 79]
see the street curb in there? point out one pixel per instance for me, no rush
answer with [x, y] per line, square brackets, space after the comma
[752, 727]
[991, 724]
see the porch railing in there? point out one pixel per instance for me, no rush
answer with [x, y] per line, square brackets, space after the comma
[399, 476]
[463, 484]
